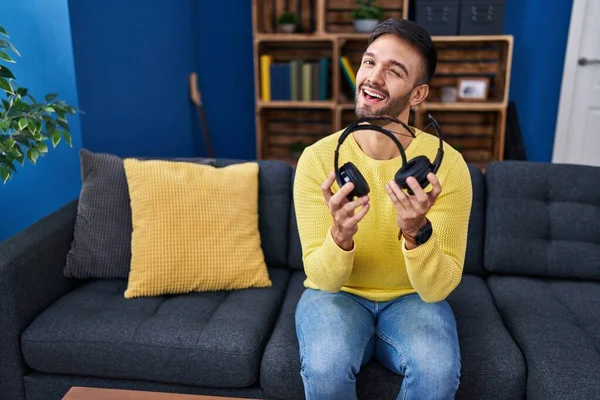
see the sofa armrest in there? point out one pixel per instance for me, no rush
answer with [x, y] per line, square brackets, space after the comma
[31, 278]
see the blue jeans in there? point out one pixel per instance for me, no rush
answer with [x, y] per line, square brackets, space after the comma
[339, 333]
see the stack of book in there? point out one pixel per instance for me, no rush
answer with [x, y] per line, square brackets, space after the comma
[296, 80]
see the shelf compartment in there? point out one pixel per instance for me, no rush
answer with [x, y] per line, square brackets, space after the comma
[337, 13]
[477, 135]
[283, 129]
[266, 14]
[488, 59]
[296, 70]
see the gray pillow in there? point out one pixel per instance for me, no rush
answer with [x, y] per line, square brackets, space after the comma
[101, 246]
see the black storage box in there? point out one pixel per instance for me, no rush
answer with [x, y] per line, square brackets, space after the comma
[481, 17]
[438, 17]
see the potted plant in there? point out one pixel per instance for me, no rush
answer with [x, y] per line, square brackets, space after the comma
[366, 16]
[287, 22]
[26, 124]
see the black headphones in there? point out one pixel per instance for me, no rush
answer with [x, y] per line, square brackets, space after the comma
[418, 167]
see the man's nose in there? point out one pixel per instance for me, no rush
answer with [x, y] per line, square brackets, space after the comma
[376, 76]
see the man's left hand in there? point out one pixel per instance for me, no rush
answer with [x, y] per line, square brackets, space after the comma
[412, 209]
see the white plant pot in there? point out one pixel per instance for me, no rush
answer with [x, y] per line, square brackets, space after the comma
[365, 25]
[287, 28]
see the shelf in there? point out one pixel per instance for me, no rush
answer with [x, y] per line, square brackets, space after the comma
[478, 38]
[466, 106]
[328, 36]
[292, 37]
[296, 104]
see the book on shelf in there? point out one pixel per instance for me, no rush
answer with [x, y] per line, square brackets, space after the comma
[348, 72]
[295, 80]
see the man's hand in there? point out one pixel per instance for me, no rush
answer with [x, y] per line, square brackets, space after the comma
[412, 209]
[345, 220]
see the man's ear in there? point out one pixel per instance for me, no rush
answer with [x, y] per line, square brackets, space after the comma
[419, 94]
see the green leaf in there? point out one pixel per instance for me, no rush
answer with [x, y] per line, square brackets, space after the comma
[23, 122]
[5, 85]
[21, 159]
[4, 173]
[15, 152]
[55, 138]
[6, 57]
[6, 73]
[22, 91]
[50, 109]
[9, 144]
[3, 31]
[42, 147]
[50, 127]
[11, 166]
[13, 48]
[51, 96]
[61, 114]
[33, 154]
[67, 137]
[64, 125]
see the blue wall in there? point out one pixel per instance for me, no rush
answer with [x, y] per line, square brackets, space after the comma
[39, 29]
[540, 29]
[133, 59]
[226, 75]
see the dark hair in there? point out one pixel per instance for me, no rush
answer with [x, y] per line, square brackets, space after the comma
[415, 35]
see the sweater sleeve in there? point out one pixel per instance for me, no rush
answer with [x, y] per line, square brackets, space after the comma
[326, 264]
[435, 267]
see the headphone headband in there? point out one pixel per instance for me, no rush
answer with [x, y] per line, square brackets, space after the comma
[356, 126]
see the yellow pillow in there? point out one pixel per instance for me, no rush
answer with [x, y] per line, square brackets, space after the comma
[195, 228]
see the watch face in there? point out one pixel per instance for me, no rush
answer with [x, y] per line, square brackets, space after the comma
[424, 234]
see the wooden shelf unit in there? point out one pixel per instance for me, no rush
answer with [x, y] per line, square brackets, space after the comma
[475, 128]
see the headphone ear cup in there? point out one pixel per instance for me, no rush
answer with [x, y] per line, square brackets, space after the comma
[349, 173]
[419, 167]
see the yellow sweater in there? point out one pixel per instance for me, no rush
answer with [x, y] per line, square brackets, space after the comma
[379, 267]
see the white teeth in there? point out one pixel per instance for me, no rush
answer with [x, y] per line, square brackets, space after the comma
[372, 94]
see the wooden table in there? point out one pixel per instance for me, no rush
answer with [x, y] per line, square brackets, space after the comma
[86, 393]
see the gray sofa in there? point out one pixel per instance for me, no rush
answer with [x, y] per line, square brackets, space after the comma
[527, 309]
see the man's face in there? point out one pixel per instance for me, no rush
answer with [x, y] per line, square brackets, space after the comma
[389, 69]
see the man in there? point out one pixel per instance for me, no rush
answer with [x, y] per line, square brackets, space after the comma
[373, 289]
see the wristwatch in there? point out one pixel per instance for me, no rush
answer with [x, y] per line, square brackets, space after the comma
[422, 235]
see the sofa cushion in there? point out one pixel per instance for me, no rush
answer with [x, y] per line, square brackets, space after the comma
[557, 326]
[184, 239]
[474, 253]
[492, 365]
[540, 220]
[101, 246]
[295, 247]
[206, 339]
[274, 197]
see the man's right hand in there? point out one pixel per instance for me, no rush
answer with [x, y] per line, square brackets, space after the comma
[345, 220]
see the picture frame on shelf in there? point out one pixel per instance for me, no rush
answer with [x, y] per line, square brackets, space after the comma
[472, 89]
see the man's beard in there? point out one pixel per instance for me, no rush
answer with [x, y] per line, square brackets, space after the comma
[392, 109]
